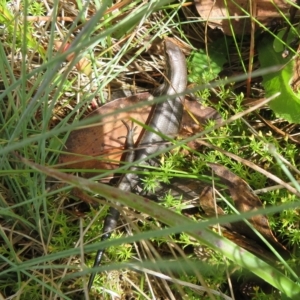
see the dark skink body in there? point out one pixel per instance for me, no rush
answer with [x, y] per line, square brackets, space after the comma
[166, 119]
[168, 114]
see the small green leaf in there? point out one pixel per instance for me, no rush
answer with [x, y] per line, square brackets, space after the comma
[287, 105]
[279, 45]
[210, 63]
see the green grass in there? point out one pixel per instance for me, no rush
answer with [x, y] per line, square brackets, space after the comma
[48, 245]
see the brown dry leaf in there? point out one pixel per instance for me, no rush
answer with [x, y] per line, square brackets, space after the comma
[83, 66]
[207, 200]
[104, 139]
[245, 200]
[249, 244]
[195, 115]
[217, 12]
[207, 203]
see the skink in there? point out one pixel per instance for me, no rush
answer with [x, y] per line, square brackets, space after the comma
[166, 119]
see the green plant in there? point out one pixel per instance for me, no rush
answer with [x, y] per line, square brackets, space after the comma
[36, 8]
[268, 57]
[47, 248]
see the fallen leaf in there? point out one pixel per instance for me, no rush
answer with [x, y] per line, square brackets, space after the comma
[217, 13]
[101, 146]
[207, 203]
[83, 66]
[245, 200]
